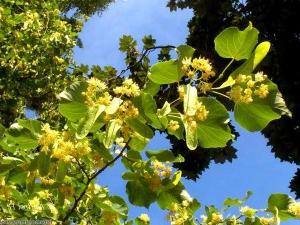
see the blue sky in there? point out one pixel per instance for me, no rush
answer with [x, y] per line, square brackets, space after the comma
[256, 169]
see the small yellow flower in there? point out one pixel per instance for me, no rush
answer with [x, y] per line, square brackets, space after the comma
[216, 218]
[262, 91]
[294, 209]
[173, 125]
[144, 218]
[35, 205]
[48, 137]
[181, 92]
[201, 112]
[266, 221]
[204, 87]
[128, 88]
[247, 211]
[260, 77]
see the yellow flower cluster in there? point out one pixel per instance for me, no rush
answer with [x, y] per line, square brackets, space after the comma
[204, 87]
[247, 211]
[128, 88]
[173, 125]
[35, 205]
[94, 89]
[246, 87]
[267, 221]
[180, 90]
[66, 150]
[44, 194]
[191, 67]
[179, 213]
[144, 218]
[127, 110]
[161, 169]
[294, 209]
[201, 114]
[216, 218]
[46, 181]
[48, 137]
[62, 145]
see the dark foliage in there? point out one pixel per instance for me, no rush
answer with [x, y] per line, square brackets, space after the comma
[277, 21]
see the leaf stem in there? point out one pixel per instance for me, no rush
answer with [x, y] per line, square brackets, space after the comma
[223, 72]
[221, 94]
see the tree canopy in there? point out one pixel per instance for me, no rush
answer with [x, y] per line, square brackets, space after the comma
[89, 117]
[275, 20]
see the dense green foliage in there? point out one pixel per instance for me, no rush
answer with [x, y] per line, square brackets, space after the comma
[275, 19]
[49, 165]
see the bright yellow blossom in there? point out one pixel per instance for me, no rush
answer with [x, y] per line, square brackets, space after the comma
[247, 211]
[173, 125]
[262, 91]
[216, 218]
[35, 205]
[128, 88]
[144, 218]
[294, 209]
[48, 137]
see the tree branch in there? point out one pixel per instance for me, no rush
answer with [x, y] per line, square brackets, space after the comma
[90, 179]
[145, 53]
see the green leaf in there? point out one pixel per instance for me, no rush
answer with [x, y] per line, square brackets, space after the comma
[61, 172]
[126, 43]
[184, 51]
[214, 131]
[21, 137]
[87, 122]
[147, 107]
[257, 115]
[232, 202]
[164, 72]
[140, 127]
[44, 164]
[165, 200]
[280, 105]
[176, 116]
[235, 44]
[138, 142]
[250, 64]
[139, 194]
[111, 133]
[151, 88]
[164, 156]
[73, 111]
[72, 104]
[281, 202]
[33, 125]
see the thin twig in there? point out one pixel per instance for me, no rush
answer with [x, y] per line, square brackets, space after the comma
[82, 169]
[90, 179]
[221, 94]
[145, 53]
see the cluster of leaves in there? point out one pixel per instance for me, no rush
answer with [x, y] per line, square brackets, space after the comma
[275, 20]
[50, 172]
[36, 51]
